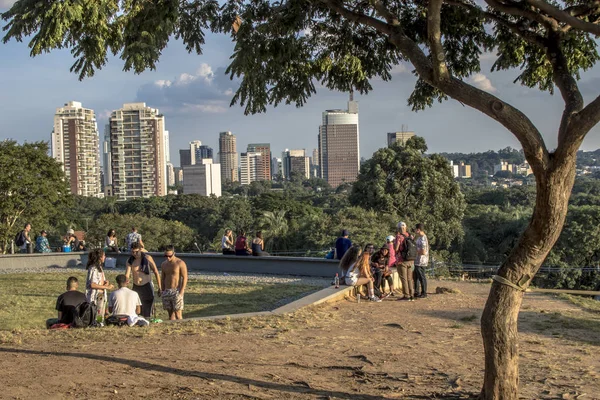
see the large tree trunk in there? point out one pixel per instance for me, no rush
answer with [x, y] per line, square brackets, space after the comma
[499, 319]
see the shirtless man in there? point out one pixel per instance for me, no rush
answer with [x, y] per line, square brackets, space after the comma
[139, 265]
[174, 276]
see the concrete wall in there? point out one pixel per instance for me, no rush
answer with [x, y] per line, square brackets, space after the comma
[316, 267]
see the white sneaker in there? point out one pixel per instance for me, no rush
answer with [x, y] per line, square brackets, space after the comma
[375, 299]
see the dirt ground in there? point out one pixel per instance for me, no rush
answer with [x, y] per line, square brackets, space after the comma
[427, 349]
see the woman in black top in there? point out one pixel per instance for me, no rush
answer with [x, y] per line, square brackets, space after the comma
[258, 245]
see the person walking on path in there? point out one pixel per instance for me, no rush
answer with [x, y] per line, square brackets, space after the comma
[404, 263]
[141, 266]
[174, 277]
[421, 261]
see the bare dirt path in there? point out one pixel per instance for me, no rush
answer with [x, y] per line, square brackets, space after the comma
[427, 349]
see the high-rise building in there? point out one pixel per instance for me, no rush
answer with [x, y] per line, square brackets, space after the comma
[461, 170]
[137, 147]
[399, 137]
[185, 158]
[203, 178]
[228, 157]
[263, 168]
[194, 146]
[276, 168]
[76, 144]
[339, 157]
[314, 164]
[295, 161]
[170, 175]
[204, 152]
[250, 165]
[167, 147]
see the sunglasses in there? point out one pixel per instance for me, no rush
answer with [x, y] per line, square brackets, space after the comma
[169, 255]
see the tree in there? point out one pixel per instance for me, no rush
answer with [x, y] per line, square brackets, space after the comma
[275, 227]
[403, 181]
[283, 48]
[32, 187]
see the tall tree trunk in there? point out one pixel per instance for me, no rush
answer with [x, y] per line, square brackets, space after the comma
[499, 319]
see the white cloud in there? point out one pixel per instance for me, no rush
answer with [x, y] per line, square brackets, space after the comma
[482, 82]
[202, 91]
[399, 69]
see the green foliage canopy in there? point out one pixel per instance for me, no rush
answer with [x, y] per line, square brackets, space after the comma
[417, 188]
[32, 188]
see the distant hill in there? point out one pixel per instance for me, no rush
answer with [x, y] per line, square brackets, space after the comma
[483, 163]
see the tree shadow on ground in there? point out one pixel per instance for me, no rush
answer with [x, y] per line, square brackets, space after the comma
[583, 327]
[146, 366]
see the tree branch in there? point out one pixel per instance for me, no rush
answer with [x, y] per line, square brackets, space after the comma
[518, 30]
[510, 117]
[566, 83]
[517, 10]
[565, 17]
[581, 123]
[434, 35]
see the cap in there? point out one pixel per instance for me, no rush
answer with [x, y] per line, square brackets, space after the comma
[390, 238]
[401, 224]
[345, 233]
[71, 232]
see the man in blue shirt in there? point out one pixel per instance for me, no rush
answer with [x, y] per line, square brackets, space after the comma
[342, 245]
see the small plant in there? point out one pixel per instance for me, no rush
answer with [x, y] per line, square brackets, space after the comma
[470, 318]
[456, 326]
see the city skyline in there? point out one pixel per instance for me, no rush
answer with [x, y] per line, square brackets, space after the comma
[194, 93]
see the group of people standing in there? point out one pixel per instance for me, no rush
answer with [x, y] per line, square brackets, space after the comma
[240, 246]
[404, 252]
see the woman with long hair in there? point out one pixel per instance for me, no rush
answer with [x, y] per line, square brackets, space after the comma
[349, 258]
[110, 242]
[258, 245]
[96, 283]
[360, 274]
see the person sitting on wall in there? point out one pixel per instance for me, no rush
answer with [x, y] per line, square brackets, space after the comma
[66, 303]
[227, 243]
[41, 243]
[241, 245]
[258, 246]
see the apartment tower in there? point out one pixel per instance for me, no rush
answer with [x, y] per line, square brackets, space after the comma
[228, 157]
[339, 158]
[137, 147]
[203, 178]
[250, 165]
[263, 168]
[295, 161]
[75, 144]
[399, 137]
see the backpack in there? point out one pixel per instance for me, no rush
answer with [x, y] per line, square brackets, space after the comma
[20, 239]
[116, 320]
[409, 249]
[84, 315]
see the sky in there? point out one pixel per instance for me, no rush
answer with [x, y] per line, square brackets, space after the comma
[193, 93]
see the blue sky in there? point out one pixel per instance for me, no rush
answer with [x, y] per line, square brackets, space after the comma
[193, 94]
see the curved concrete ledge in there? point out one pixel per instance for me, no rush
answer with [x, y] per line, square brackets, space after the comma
[314, 267]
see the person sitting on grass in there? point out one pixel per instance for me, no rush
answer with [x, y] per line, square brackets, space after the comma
[126, 302]
[66, 303]
[360, 274]
[349, 259]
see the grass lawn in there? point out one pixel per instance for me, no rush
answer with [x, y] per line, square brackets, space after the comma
[27, 300]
